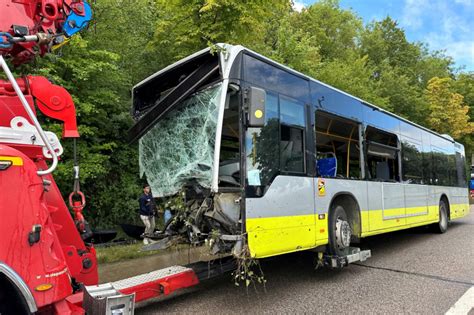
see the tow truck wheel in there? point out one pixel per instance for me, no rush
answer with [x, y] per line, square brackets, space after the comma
[10, 302]
[339, 231]
[442, 225]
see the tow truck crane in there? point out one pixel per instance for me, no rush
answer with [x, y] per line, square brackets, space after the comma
[45, 265]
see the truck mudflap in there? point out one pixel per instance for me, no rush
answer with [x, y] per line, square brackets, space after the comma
[119, 297]
[355, 254]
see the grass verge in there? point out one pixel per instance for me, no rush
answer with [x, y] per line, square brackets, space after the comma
[122, 252]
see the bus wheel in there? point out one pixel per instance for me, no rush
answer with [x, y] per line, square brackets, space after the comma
[442, 224]
[339, 231]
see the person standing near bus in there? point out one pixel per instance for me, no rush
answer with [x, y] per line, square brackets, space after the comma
[147, 213]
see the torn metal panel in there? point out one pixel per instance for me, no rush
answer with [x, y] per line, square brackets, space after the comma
[180, 147]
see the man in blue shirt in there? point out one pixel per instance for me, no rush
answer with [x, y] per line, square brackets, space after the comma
[147, 213]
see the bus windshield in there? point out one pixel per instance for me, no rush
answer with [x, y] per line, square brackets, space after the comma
[180, 147]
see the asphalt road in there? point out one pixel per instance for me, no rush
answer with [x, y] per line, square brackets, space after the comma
[411, 271]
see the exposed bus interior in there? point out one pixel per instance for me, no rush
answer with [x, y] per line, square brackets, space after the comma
[382, 155]
[337, 146]
[176, 153]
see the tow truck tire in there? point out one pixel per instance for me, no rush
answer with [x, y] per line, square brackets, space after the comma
[442, 225]
[336, 245]
[10, 302]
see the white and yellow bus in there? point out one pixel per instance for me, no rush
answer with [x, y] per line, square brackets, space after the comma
[281, 162]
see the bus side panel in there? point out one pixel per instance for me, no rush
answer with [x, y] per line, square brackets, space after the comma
[386, 205]
[283, 220]
[332, 188]
[458, 202]
[417, 202]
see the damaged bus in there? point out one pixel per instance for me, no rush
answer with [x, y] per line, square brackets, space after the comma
[269, 161]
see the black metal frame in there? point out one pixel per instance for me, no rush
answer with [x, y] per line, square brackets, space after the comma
[185, 88]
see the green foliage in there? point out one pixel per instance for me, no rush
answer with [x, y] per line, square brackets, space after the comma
[384, 42]
[108, 163]
[132, 39]
[464, 85]
[334, 30]
[448, 113]
[354, 75]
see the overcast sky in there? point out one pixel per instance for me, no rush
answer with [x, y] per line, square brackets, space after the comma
[442, 24]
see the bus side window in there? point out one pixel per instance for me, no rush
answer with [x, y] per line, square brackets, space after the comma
[337, 146]
[382, 155]
[412, 162]
[461, 170]
[292, 118]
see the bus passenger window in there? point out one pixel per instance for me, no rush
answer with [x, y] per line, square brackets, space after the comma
[292, 117]
[292, 158]
[461, 170]
[412, 162]
[337, 146]
[382, 155]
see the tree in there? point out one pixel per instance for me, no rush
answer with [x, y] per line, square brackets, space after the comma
[448, 113]
[293, 46]
[404, 98]
[184, 27]
[401, 67]
[354, 75]
[109, 170]
[385, 42]
[464, 85]
[125, 27]
[333, 30]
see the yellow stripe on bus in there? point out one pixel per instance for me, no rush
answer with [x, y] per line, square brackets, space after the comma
[459, 210]
[16, 160]
[280, 235]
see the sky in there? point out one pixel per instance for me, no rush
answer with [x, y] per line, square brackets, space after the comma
[442, 24]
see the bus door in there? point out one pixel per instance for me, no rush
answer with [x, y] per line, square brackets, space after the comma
[386, 196]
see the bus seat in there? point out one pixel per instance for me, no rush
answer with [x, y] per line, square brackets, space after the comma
[383, 171]
[327, 166]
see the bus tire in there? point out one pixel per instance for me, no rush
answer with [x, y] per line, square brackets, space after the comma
[442, 225]
[339, 231]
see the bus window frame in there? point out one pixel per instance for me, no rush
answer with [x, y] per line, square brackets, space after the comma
[359, 131]
[397, 149]
[304, 129]
[419, 147]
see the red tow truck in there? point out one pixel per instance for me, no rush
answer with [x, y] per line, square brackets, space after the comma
[45, 265]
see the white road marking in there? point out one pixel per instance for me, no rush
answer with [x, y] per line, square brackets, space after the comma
[464, 304]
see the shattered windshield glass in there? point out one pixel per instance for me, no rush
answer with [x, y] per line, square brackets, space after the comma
[180, 147]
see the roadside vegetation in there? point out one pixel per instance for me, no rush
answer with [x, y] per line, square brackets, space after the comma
[121, 252]
[130, 40]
